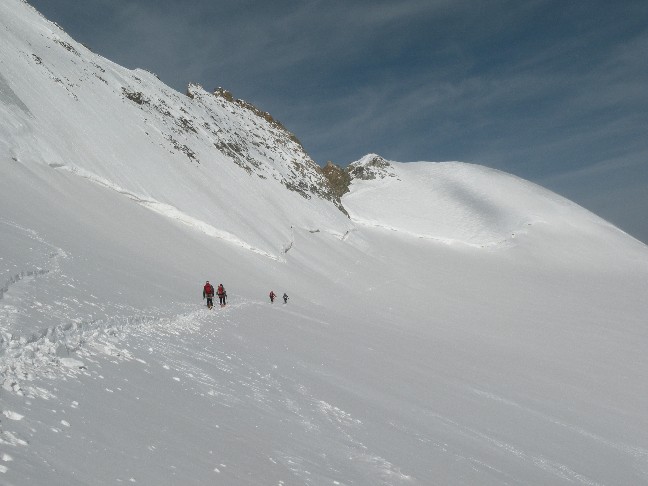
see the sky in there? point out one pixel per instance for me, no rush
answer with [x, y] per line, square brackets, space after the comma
[551, 91]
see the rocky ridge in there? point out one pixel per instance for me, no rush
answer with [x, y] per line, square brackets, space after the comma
[371, 166]
[199, 126]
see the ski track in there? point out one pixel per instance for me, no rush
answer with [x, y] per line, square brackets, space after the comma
[29, 363]
[69, 350]
[30, 367]
[24, 274]
[636, 452]
[43, 260]
[553, 468]
[489, 244]
[33, 270]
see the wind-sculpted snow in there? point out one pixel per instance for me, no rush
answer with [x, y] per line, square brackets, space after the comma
[458, 203]
[168, 211]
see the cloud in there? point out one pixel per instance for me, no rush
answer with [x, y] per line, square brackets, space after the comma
[539, 88]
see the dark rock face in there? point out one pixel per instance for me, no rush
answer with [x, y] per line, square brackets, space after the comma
[371, 167]
[338, 178]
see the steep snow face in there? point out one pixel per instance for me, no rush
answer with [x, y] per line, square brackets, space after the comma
[463, 204]
[185, 157]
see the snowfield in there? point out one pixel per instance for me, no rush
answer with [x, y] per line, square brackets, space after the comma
[461, 327]
[458, 203]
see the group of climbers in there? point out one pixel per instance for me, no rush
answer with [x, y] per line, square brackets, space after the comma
[273, 295]
[208, 293]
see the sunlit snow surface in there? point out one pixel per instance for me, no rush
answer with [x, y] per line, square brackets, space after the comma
[463, 327]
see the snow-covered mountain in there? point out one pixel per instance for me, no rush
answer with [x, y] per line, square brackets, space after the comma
[446, 323]
[185, 156]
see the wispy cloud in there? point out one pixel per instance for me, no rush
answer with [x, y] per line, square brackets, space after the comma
[539, 88]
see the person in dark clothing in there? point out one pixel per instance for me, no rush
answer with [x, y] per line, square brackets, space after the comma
[272, 296]
[208, 293]
[221, 295]
[285, 298]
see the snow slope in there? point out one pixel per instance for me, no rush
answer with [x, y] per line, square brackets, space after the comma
[462, 327]
[458, 203]
[73, 111]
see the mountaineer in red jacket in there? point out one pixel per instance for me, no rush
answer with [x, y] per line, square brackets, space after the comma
[208, 293]
[222, 295]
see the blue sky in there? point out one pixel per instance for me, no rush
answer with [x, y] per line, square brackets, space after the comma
[553, 91]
